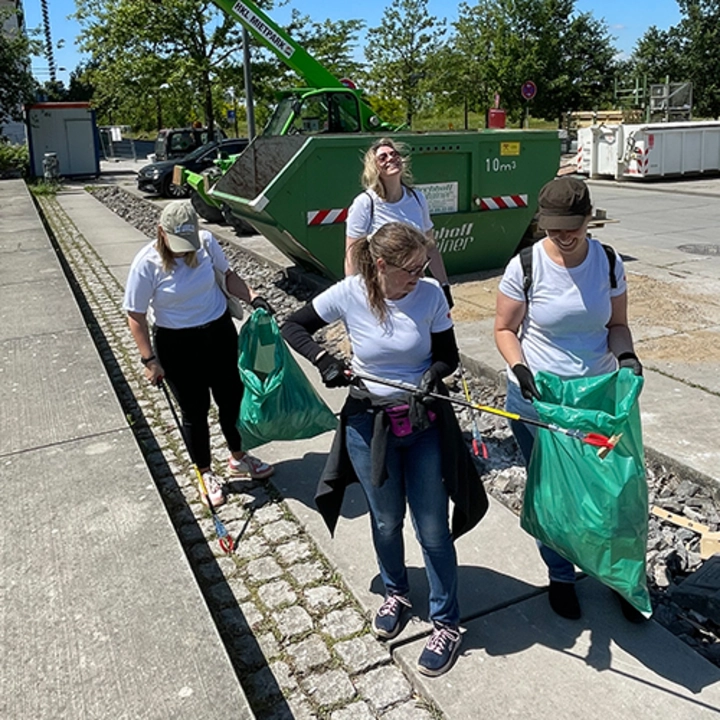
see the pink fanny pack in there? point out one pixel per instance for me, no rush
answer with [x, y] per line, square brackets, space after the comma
[399, 417]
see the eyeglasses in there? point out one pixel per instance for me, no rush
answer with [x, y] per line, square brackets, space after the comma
[417, 271]
[385, 156]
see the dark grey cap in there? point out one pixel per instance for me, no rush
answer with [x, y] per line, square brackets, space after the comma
[564, 204]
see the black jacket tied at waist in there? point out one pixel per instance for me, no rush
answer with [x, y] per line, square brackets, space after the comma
[460, 475]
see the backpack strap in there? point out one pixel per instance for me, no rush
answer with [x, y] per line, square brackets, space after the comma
[612, 257]
[526, 262]
[372, 208]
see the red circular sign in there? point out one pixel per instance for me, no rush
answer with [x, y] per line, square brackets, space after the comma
[528, 90]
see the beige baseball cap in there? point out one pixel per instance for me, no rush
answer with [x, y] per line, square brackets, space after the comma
[180, 223]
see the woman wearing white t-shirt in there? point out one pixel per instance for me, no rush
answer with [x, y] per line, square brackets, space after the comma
[399, 325]
[194, 347]
[568, 320]
[390, 197]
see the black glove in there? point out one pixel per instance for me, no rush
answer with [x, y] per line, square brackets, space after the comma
[525, 378]
[448, 296]
[630, 360]
[333, 371]
[431, 381]
[261, 302]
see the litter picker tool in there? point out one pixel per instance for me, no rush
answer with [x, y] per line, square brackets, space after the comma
[606, 444]
[478, 445]
[224, 538]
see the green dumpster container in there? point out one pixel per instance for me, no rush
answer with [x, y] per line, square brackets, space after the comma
[481, 187]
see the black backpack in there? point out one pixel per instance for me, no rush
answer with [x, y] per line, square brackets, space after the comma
[526, 262]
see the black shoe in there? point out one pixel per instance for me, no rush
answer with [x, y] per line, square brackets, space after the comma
[440, 651]
[563, 600]
[386, 624]
[631, 613]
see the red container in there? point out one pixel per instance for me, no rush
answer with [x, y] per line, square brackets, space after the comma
[496, 118]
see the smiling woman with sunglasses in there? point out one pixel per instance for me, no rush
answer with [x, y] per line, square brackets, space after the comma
[400, 329]
[390, 197]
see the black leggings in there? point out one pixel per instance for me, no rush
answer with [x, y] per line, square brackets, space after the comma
[197, 361]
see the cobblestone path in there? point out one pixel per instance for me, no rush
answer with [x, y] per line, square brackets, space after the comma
[299, 642]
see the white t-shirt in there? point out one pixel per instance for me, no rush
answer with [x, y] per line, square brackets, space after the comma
[398, 349]
[564, 330]
[366, 216]
[182, 298]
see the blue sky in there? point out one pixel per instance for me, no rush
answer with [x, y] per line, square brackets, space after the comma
[627, 21]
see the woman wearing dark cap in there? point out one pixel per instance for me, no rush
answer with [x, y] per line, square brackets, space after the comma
[562, 308]
[194, 347]
[390, 197]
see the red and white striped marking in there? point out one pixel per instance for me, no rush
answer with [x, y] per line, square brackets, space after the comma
[327, 217]
[579, 159]
[503, 202]
[640, 163]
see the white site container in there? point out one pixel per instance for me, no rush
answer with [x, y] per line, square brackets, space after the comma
[69, 131]
[649, 150]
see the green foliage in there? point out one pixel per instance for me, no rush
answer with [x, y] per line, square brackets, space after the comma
[155, 63]
[700, 52]
[687, 51]
[400, 52]
[331, 43]
[42, 188]
[498, 45]
[17, 85]
[14, 159]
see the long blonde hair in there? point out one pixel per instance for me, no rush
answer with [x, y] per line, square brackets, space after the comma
[396, 243]
[371, 175]
[166, 255]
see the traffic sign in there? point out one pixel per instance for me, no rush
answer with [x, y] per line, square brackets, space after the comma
[528, 90]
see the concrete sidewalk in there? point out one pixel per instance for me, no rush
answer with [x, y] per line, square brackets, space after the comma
[101, 614]
[518, 658]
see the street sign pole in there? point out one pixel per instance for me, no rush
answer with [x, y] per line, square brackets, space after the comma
[528, 91]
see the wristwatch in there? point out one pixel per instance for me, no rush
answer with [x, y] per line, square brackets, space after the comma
[146, 361]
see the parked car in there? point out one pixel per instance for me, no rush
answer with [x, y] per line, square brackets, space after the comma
[173, 143]
[157, 177]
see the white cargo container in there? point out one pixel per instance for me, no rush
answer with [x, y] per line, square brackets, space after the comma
[67, 130]
[649, 150]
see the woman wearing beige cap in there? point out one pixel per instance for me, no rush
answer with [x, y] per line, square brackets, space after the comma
[194, 345]
[562, 308]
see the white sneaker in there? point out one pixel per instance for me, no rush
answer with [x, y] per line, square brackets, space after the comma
[213, 485]
[250, 466]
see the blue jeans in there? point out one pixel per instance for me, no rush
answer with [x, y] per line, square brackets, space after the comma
[559, 569]
[414, 471]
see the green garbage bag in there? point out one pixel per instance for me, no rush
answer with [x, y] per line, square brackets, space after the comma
[279, 402]
[592, 511]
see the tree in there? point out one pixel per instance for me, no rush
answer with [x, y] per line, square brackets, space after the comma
[501, 44]
[400, 52]
[141, 49]
[17, 85]
[331, 43]
[700, 53]
[461, 67]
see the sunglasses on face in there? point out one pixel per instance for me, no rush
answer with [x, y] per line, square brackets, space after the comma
[385, 156]
[417, 271]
